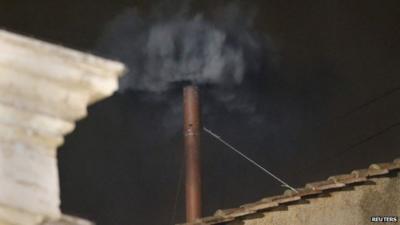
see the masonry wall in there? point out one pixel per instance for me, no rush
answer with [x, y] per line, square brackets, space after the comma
[44, 89]
[349, 206]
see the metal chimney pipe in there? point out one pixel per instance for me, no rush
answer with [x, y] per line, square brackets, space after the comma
[192, 128]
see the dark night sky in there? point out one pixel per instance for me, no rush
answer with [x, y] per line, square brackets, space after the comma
[121, 165]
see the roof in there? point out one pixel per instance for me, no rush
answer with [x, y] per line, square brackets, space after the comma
[333, 183]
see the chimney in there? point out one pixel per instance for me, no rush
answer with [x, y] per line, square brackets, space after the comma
[192, 127]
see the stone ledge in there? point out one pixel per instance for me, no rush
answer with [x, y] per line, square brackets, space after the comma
[60, 64]
[44, 89]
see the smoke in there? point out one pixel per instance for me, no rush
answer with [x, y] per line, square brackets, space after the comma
[218, 52]
[162, 51]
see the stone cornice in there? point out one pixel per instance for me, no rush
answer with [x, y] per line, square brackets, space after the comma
[44, 89]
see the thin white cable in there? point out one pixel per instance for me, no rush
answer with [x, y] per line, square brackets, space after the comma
[284, 184]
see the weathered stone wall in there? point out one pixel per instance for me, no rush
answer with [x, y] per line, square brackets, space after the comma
[44, 89]
[350, 206]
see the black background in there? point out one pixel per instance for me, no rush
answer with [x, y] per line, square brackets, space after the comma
[331, 105]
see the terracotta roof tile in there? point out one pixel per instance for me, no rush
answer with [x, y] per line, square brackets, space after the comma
[360, 173]
[347, 178]
[375, 170]
[371, 172]
[282, 199]
[236, 212]
[290, 196]
[260, 205]
[303, 192]
[387, 166]
[324, 185]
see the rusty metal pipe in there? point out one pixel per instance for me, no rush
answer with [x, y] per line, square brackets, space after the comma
[192, 127]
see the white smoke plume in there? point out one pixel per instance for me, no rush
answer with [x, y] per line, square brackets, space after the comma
[161, 52]
[219, 52]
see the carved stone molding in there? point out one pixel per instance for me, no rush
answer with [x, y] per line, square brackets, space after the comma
[44, 89]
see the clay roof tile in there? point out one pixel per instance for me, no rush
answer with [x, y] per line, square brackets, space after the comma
[324, 185]
[290, 196]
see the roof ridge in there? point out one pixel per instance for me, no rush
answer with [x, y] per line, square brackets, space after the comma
[359, 176]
